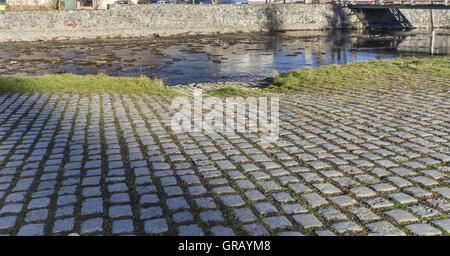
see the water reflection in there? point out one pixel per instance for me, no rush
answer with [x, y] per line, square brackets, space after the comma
[433, 42]
[208, 59]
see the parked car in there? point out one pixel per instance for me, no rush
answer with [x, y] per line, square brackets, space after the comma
[144, 2]
[197, 1]
[233, 1]
[124, 2]
[2, 5]
[166, 2]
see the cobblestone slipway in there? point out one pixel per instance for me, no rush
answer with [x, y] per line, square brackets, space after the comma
[364, 160]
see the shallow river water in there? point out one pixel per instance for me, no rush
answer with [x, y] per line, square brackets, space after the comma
[198, 59]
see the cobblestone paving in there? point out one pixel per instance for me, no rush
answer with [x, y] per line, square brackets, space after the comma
[359, 161]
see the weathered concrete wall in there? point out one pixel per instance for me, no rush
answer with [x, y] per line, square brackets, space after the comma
[165, 20]
[417, 18]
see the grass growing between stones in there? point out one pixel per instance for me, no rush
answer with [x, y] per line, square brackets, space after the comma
[400, 71]
[68, 83]
[231, 91]
[335, 76]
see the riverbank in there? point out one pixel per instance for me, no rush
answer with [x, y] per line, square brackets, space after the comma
[68, 83]
[394, 72]
[212, 59]
[337, 76]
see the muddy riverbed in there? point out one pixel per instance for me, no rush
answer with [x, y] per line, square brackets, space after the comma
[194, 59]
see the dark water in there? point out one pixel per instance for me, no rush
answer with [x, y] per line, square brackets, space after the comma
[194, 59]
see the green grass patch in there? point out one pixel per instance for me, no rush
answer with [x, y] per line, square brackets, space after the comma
[68, 83]
[359, 73]
[231, 92]
[328, 77]
[335, 76]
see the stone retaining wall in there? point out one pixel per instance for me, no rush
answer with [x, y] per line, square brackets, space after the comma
[421, 18]
[166, 20]
[417, 18]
